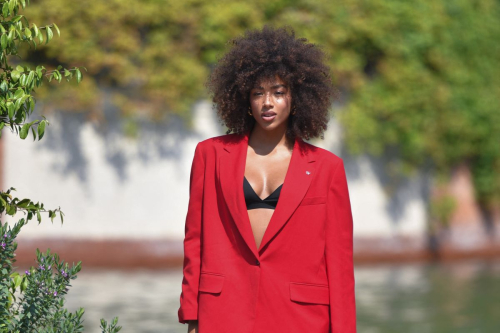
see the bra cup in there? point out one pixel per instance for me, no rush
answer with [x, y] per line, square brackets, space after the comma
[252, 200]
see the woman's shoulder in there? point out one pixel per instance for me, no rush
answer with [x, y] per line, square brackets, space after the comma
[322, 154]
[220, 140]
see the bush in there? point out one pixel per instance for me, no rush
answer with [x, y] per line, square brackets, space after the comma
[33, 301]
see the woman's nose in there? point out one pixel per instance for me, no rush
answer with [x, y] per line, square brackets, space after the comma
[268, 100]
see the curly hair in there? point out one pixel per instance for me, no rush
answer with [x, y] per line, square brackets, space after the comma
[264, 54]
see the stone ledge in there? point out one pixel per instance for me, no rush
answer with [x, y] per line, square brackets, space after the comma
[161, 254]
[153, 254]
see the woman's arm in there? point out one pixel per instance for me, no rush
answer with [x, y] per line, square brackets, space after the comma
[338, 254]
[192, 251]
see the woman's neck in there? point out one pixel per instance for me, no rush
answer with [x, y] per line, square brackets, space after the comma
[263, 140]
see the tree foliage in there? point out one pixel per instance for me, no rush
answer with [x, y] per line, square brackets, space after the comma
[421, 78]
[431, 88]
[18, 83]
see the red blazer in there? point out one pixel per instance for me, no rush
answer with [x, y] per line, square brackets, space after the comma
[301, 278]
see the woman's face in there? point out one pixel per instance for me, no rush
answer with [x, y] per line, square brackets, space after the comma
[270, 101]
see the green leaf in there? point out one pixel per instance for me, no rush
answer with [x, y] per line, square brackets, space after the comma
[35, 29]
[30, 78]
[41, 129]
[17, 281]
[3, 41]
[50, 34]
[12, 4]
[15, 75]
[19, 93]
[5, 10]
[78, 75]
[57, 29]
[24, 131]
[11, 210]
[39, 71]
[23, 203]
[11, 108]
[24, 285]
[32, 103]
[22, 79]
[27, 32]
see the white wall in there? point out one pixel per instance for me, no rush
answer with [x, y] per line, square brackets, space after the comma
[110, 186]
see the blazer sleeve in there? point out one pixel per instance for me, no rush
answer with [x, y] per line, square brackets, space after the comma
[339, 254]
[188, 309]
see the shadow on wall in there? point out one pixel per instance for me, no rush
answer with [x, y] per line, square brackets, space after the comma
[73, 139]
[76, 144]
[399, 190]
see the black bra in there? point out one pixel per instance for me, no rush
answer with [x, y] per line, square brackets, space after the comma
[254, 201]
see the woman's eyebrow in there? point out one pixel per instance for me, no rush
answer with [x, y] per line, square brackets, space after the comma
[272, 87]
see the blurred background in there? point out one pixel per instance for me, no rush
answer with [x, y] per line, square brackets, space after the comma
[417, 125]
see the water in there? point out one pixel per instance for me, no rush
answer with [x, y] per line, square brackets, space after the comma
[459, 297]
[421, 298]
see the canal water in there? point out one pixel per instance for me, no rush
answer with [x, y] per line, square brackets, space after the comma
[421, 298]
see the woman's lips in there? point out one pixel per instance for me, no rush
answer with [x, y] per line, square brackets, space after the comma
[268, 115]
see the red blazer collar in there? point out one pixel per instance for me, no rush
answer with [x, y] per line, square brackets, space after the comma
[232, 163]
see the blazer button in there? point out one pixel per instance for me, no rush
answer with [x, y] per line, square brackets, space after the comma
[257, 262]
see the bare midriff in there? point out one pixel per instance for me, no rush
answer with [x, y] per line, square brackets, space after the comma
[259, 220]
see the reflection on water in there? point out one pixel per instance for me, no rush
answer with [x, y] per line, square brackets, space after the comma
[457, 297]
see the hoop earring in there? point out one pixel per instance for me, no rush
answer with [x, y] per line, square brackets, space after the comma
[294, 110]
[250, 111]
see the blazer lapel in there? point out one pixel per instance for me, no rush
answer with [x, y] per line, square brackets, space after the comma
[232, 170]
[297, 180]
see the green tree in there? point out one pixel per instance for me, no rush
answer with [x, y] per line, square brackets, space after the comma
[430, 88]
[419, 78]
[34, 301]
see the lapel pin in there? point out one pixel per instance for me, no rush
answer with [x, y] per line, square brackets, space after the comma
[307, 173]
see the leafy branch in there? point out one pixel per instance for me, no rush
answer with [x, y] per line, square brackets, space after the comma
[39, 306]
[11, 206]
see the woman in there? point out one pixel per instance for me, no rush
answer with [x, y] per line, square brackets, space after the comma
[268, 237]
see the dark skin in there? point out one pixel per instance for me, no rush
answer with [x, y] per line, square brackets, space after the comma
[268, 154]
[193, 326]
